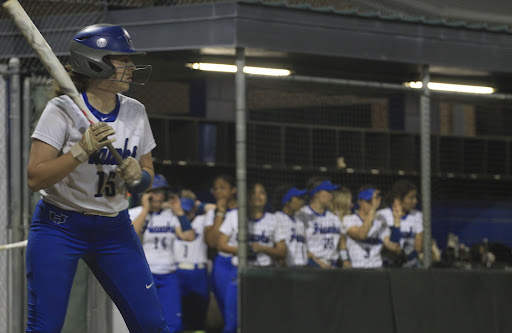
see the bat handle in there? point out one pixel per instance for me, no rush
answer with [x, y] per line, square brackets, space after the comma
[115, 153]
[119, 161]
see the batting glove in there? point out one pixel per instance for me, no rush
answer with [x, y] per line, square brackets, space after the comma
[130, 170]
[94, 138]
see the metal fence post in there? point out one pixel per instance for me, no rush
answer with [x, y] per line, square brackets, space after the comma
[426, 168]
[16, 279]
[241, 172]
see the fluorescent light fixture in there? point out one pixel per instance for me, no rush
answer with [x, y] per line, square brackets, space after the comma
[266, 71]
[452, 87]
[204, 66]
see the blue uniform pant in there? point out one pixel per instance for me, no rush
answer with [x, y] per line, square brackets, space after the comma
[231, 303]
[168, 289]
[110, 247]
[221, 271]
[195, 296]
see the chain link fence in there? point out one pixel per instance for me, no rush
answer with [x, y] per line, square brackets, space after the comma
[298, 130]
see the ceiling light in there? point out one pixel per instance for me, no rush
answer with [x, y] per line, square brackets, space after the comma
[203, 66]
[452, 87]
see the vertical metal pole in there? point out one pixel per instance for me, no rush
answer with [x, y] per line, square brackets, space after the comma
[425, 167]
[14, 225]
[27, 107]
[241, 172]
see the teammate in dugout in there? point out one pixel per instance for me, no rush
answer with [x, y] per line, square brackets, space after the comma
[83, 212]
[160, 227]
[289, 200]
[224, 191]
[368, 234]
[191, 257]
[401, 213]
[323, 228]
[266, 241]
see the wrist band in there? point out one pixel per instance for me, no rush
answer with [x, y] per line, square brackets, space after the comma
[395, 234]
[412, 255]
[220, 214]
[344, 255]
[79, 153]
[143, 184]
[200, 208]
[185, 223]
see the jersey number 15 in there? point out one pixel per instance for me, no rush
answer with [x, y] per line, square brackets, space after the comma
[106, 184]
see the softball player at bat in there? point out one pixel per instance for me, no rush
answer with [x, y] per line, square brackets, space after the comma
[292, 201]
[402, 214]
[266, 244]
[83, 212]
[367, 234]
[191, 257]
[160, 228]
[323, 228]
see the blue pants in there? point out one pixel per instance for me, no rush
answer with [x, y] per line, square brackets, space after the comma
[167, 286]
[231, 303]
[195, 296]
[110, 247]
[221, 271]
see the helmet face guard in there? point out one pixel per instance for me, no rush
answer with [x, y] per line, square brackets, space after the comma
[91, 47]
[140, 74]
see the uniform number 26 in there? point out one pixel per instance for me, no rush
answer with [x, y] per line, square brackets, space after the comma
[106, 184]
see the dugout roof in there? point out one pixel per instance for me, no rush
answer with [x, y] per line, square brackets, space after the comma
[324, 42]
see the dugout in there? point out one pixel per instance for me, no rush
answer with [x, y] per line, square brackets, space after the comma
[353, 64]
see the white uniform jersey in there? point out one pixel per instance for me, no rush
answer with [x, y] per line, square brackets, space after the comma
[295, 234]
[93, 186]
[410, 225]
[158, 237]
[230, 228]
[323, 232]
[210, 217]
[264, 231]
[193, 252]
[365, 253]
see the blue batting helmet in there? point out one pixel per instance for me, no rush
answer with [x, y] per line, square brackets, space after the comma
[91, 46]
[159, 182]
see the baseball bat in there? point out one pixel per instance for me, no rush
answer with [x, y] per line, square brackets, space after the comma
[51, 63]
[13, 245]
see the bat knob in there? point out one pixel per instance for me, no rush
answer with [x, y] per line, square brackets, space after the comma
[140, 185]
[135, 183]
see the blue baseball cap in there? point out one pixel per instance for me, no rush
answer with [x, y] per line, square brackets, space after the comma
[366, 195]
[292, 192]
[324, 186]
[187, 204]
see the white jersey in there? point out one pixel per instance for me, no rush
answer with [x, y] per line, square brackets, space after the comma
[230, 228]
[295, 234]
[193, 252]
[365, 253]
[323, 232]
[93, 186]
[158, 238]
[410, 225]
[210, 217]
[264, 231]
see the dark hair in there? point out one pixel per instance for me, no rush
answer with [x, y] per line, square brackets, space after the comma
[279, 193]
[401, 188]
[251, 186]
[81, 82]
[227, 178]
[314, 182]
